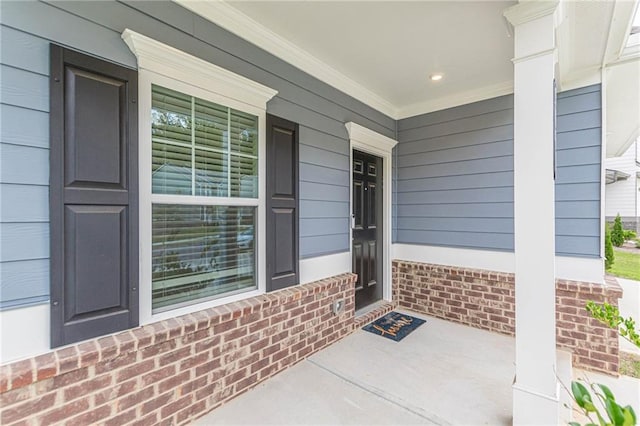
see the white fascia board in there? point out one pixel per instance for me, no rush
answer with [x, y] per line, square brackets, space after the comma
[236, 22]
[458, 99]
[173, 63]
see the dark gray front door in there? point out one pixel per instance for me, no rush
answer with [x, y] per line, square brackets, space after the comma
[367, 227]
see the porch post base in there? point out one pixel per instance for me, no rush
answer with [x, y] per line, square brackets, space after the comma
[532, 408]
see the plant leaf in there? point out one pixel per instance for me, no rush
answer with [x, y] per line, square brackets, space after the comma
[629, 416]
[607, 392]
[580, 394]
[615, 412]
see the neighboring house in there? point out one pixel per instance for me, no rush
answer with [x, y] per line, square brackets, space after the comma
[283, 187]
[622, 192]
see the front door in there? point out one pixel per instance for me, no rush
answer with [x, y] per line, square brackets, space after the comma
[367, 227]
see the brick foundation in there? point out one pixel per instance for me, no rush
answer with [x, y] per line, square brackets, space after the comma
[486, 300]
[173, 371]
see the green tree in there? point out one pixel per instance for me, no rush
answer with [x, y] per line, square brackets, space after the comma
[617, 235]
[608, 249]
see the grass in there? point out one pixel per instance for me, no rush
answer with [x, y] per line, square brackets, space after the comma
[626, 265]
[630, 365]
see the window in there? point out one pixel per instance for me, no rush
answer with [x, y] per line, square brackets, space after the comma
[210, 152]
[202, 182]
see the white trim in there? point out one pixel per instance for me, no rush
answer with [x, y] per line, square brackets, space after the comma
[568, 268]
[603, 157]
[580, 269]
[187, 74]
[236, 22]
[373, 141]
[583, 78]
[454, 100]
[499, 261]
[178, 65]
[528, 11]
[317, 268]
[25, 332]
[366, 140]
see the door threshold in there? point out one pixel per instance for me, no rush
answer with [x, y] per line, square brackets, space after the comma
[372, 312]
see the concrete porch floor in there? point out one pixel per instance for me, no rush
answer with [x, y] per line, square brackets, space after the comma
[442, 373]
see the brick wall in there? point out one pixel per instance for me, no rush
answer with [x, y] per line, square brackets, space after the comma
[173, 371]
[486, 299]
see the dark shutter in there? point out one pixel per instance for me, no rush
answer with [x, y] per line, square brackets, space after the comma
[282, 203]
[93, 197]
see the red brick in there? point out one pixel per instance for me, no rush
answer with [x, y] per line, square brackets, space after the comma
[137, 369]
[176, 406]
[191, 412]
[150, 420]
[174, 381]
[135, 399]
[121, 418]
[87, 387]
[92, 417]
[67, 411]
[115, 363]
[156, 402]
[114, 392]
[45, 366]
[193, 361]
[207, 344]
[35, 405]
[22, 373]
[157, 375]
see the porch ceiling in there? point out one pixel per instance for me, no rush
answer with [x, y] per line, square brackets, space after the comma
[383, 52]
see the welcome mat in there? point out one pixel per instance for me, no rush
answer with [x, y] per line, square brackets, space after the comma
[394, 325]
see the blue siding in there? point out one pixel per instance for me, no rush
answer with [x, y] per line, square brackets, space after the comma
[578, 172]
[454, 173]
[27, 28]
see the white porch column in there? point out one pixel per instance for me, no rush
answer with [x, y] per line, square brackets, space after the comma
[535, 392]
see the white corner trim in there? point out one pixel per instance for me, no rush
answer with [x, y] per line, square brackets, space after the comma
[236, 22]
[173, 63]
[24, 332]
[372, 140]
[462, 98]
[316, 268]
[528, 11]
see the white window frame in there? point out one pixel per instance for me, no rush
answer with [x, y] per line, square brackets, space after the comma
[162, 65]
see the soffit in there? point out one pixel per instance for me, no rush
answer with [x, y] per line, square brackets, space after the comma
[382, 52]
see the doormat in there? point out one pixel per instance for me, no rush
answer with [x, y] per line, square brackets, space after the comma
[394, 325]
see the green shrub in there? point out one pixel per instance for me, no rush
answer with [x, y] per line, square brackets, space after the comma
[608, 249]
[617, 234]
[629, 235]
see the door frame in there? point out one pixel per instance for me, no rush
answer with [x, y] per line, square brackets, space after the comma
[366, 140]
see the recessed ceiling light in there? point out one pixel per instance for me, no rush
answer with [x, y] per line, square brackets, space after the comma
[435, 77]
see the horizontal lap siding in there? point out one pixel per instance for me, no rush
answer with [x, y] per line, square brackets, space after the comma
[24, 169]
[26, 31]
[454, 173]
[578, 172]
